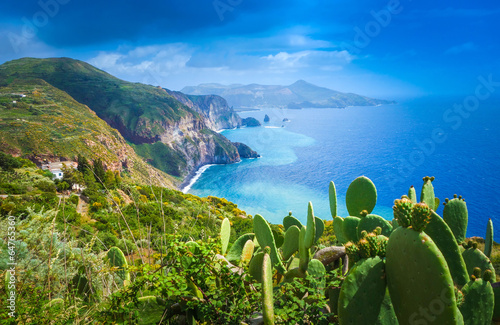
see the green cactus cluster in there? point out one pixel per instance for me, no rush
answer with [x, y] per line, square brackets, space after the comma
[413, 270]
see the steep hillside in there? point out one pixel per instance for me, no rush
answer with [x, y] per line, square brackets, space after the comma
[143, 114]
[300, 94]
[41, 122]
[214, 108]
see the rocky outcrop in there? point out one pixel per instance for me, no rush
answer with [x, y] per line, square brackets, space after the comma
[245, 151]
[250, 122]
[214, 109]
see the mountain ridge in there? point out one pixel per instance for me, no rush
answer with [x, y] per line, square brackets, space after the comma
[300, 94]
[180, 126]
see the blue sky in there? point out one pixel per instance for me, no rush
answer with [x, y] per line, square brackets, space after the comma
[392, 48]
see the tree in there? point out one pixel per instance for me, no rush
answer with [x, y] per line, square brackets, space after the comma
[99, 171]
[83, 164]
[7, 162]
[109, 179]
[118, 179]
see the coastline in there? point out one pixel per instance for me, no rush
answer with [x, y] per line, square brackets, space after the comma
[193, 177]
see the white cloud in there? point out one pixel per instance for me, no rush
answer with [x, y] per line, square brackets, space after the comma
[466, 47]
[326, 60]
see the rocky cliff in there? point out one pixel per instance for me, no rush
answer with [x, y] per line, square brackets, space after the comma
[214, 108]
[172, 131]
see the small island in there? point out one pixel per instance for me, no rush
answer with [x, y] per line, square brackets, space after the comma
[250, 122]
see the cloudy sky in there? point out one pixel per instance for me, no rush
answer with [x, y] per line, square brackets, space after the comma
[389, 48]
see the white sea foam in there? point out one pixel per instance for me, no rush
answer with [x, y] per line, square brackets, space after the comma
[197, 175]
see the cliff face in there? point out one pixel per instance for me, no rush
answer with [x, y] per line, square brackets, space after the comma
[49, 125]
[172, 131]
[214, 108]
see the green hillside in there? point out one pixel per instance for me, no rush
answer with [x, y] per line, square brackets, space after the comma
[49, 124]
[144, 115]
[139, 111]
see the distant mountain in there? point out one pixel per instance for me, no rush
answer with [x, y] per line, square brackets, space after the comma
[173, 131]
[41, 122]
[300, 94]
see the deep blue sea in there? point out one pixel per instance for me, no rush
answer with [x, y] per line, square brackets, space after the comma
[394, 145]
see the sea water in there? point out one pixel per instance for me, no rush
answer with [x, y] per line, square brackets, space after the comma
[394, 145]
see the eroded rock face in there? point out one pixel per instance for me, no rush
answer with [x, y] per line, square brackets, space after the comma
[218, 115]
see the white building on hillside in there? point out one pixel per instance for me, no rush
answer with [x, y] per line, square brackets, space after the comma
[56, 167]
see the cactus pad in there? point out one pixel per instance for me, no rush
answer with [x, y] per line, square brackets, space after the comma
[265, 238]
[267, 288]
[225, 233]
[363, 292]
[117, 258]
[473, 258]
[311, 227]
[361, 195]
[442, 236]
[413, 259]
[338, 229]
[349, 227]
[371, 222]
[456, 216]
[290, 220]
[488, 243]
[291, 243]
[234, 254]
[427, 194]
[332, 193]
[479, 302]
[412, 194]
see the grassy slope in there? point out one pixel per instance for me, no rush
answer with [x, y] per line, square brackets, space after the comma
[49, 123]
[137, 110]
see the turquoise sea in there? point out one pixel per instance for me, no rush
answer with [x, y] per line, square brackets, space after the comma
[394, 145]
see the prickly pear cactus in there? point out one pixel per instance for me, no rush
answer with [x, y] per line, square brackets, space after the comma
[311, 227]
[320, 228]
[361, 195]
[225, 233]
[255, 266]
[234, 254]
[488, 243]
[304, 253]
[362, 293]
[479, 300]
[338, 229]
[427, 194]
[372, 221]
[413, 259]
[456, 216]
[332, 193]
[317, 270]
[290, 220]
[267, 288]
[266, 239]
[442, 236]
[117, 258]
[412, 194]
[473, 258]
[350, 228]
[402, 211]
[291, 243]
